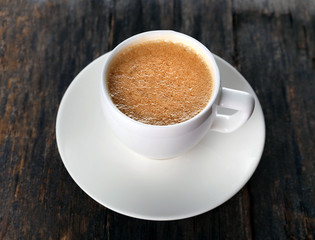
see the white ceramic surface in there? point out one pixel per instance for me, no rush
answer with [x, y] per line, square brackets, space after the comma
[116, 177]
[163, 142]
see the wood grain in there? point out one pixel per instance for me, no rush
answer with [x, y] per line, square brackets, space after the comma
[45, 44]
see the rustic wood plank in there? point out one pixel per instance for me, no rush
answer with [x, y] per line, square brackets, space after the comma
[44, 45]
[279, 67]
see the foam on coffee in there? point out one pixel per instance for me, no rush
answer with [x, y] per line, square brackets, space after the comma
[159, 82]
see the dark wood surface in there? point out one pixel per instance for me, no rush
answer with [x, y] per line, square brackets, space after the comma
[45, 44]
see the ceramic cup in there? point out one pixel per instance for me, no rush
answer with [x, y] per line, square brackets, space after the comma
[162, 142]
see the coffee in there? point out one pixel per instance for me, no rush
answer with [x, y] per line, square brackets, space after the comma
[159, 82]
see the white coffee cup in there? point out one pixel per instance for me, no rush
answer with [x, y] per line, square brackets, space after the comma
[162, 142]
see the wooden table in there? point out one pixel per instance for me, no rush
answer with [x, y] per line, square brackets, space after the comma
[45, 44]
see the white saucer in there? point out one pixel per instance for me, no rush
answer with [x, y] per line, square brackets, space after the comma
[130, 184]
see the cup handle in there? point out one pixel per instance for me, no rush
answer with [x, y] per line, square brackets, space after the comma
[241, 101]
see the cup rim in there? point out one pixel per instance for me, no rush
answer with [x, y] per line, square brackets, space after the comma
[207, 54]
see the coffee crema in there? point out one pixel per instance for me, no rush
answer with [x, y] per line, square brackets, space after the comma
[159, 82]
